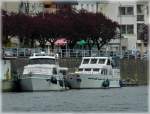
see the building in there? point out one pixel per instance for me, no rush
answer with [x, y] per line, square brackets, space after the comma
[10, 6]
[89, 5]
[31, 7]
[131, 15]
[53, 6]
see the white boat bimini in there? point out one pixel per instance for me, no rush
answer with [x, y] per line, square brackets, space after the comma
[96, 72]
[43, 73]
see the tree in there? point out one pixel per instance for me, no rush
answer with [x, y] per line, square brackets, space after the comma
[94, 28]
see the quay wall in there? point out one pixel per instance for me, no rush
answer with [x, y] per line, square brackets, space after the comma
[135, 71]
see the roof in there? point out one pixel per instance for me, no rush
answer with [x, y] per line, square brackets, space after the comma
[43, 55]
[38, 57]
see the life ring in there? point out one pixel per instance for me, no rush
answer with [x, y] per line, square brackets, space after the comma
[105, 83]
[53, 80]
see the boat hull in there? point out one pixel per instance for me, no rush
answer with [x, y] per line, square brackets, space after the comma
[40, 84]
[92, 81]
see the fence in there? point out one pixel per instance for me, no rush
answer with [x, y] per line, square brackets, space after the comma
[26, 52]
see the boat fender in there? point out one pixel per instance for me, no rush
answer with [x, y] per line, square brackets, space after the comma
[105, 83]
[61, 83]
[67, 84]
[53, 80]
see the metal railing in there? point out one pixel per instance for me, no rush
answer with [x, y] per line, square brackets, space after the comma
[26, 52]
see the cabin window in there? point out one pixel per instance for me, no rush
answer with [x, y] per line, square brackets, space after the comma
[104, 71]
[80, 69]
[85, 61]
[96, 69]
[54, 71]
[42, 61]
[108, 62]
[101, 61]
[87, 69]
[93, 61]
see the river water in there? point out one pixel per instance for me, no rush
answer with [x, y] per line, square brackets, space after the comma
[126, 99]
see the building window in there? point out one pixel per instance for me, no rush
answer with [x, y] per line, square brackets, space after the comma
[123, 29]
[140, 17]
[140, 9]
[127, 29]
[126, 10]
[129, 11]
[140, 27]
[122, 10]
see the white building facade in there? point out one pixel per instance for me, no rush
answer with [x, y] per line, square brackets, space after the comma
[130, 15]
[89, 5]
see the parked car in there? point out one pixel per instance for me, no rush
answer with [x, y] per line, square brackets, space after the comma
[8, 53]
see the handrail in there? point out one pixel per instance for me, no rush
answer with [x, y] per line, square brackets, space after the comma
[26, 52]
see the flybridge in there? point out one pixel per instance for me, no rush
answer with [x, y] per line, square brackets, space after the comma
[43, 54]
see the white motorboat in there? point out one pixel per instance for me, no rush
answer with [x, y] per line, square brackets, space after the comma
[43, 73]
[96, 72]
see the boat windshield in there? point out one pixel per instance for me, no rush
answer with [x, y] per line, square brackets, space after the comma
[101, 61]
[42, 61]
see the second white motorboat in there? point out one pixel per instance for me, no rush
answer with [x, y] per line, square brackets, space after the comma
[96, 72]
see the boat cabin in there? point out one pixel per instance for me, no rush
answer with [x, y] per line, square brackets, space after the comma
[102, 65]
[43, 63]
[42, 58]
